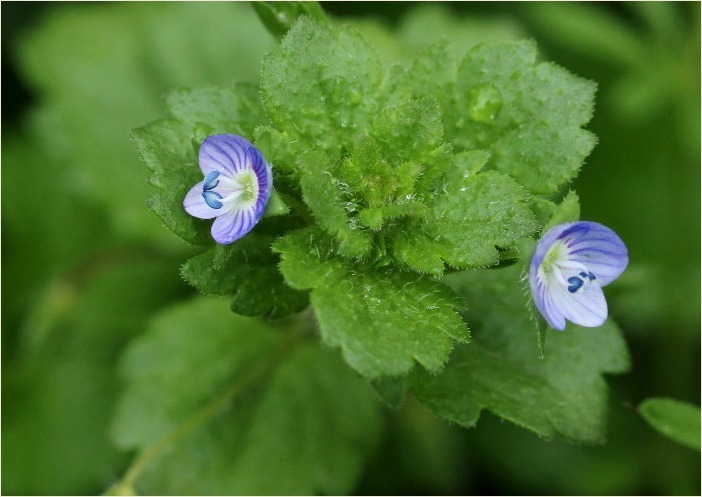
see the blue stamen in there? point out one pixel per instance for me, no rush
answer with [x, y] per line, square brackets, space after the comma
[589, 276]
[213, 199]
[211, 181]
[575, 284]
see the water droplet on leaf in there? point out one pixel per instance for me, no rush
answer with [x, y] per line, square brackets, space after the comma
[484, 102]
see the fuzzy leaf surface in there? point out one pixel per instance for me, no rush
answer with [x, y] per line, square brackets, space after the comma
[562, 395]
[382, 321]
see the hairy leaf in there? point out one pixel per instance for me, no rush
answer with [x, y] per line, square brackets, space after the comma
[561, 395]
[383, 321]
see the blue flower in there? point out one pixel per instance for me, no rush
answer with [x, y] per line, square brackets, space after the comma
[236, 187]
[571, 264]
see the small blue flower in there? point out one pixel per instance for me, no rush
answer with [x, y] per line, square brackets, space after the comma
[236, 188]
[571, 263]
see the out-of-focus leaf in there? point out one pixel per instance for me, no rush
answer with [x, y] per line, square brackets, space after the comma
[101, 72]
[62, 382]
[588, 28]
[279, 17]
[679, 421]
[304, 426]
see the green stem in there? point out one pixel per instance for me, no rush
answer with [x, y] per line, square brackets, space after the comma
[126, 485]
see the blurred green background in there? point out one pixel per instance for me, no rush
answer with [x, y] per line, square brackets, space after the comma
[79, 245]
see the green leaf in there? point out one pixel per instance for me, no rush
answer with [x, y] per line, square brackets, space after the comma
[431, 75]
[541, 156]
[409, 131]
[165, 147]
[331, 202]
[277, 148]
[193, 356]
[248, 271]
[377, 217]
[101, 72]
[383, 321]
[62, 382]
[266, 294]
[477, 212]
[528, 115]
[232, 109]
[472, 214]
[321, 85]
[279, 17]
[307, 259]
[588, 29]
[562, 395]
[376, 179]
[567, 211]
[276, 206]
[679, 421]
[169, 147]
[418, 252]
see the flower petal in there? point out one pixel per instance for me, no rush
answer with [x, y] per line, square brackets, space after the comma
[586, 306]
[598, 248]
[231, 226]
[224, 153]
[265, 180]
[544, 303]
[196, 206]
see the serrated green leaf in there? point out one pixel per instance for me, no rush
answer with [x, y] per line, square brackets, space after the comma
[417, 251]
[382, 321]
[165, 147]
[277, 147]
[408, 131]
[190, 229]
[225, 109]
[472, 214]
[276, 206]
[542, 156]
[188, 358]
[542, 208]
[264, 293]
[566, 212]
[375, 218]
[246, 270]
[307, 258]
[528, 115]
[331, 203]
[679, 421]
[562, 395]
[477, 212]
[321, 84]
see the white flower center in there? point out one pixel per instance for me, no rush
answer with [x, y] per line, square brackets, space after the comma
[239, 191]
[568, 273]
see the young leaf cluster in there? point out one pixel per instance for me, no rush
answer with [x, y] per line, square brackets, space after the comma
[388, 177]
